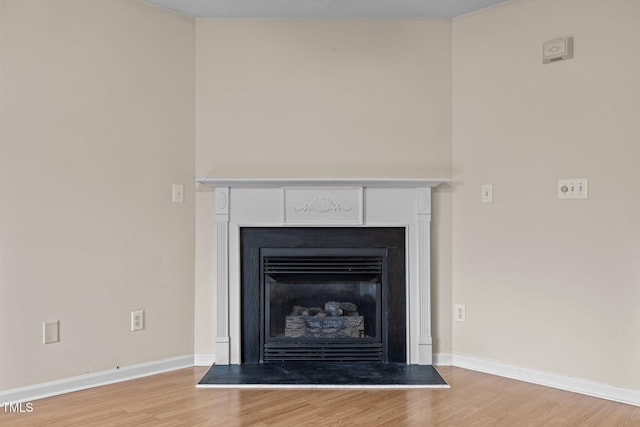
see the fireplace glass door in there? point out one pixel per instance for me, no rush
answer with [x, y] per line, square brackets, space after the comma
[323, 304]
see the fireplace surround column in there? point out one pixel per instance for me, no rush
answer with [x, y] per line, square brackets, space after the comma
[424, 286]
[222, 275]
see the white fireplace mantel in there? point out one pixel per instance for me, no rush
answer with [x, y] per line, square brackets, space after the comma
[290, 202]
[308, 182]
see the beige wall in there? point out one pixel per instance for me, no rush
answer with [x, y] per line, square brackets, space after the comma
[97, 113]
[322, 98]
[549, 284]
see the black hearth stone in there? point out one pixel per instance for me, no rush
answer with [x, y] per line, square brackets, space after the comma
[321, 374]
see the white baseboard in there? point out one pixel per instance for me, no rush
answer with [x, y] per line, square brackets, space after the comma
[204, 359]
[575, 385]
[83, 382]
[442, 359]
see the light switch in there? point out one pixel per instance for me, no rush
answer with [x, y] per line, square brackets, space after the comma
[178, 193]
[487, 193]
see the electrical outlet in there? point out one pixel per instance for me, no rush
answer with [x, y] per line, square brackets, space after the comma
[137, 320]
[460, 313]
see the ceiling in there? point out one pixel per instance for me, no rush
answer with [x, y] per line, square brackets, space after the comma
[325, 8]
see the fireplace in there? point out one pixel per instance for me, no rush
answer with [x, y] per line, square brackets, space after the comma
[321, 306]
[312, 215]
[323, 294]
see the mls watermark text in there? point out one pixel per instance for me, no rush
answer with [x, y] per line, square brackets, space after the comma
[16, 407]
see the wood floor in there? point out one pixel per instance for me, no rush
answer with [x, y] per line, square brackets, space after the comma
[475, 399]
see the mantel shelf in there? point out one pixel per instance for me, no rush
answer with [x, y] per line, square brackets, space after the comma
[307, 182]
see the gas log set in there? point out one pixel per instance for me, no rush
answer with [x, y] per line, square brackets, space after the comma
[336, 320]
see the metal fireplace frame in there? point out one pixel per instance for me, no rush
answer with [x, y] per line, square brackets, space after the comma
[386, 243]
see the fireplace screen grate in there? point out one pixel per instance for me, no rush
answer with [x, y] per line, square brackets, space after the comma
[317, 351]
[323, 307]
[322, 265]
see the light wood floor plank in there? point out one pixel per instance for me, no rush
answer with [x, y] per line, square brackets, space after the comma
[475, 399]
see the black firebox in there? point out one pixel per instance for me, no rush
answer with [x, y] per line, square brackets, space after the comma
[323, 294]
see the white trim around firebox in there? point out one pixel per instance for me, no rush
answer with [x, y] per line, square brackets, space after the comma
[375, 202]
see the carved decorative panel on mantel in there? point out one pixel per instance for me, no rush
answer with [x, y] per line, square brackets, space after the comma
[323, 206]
